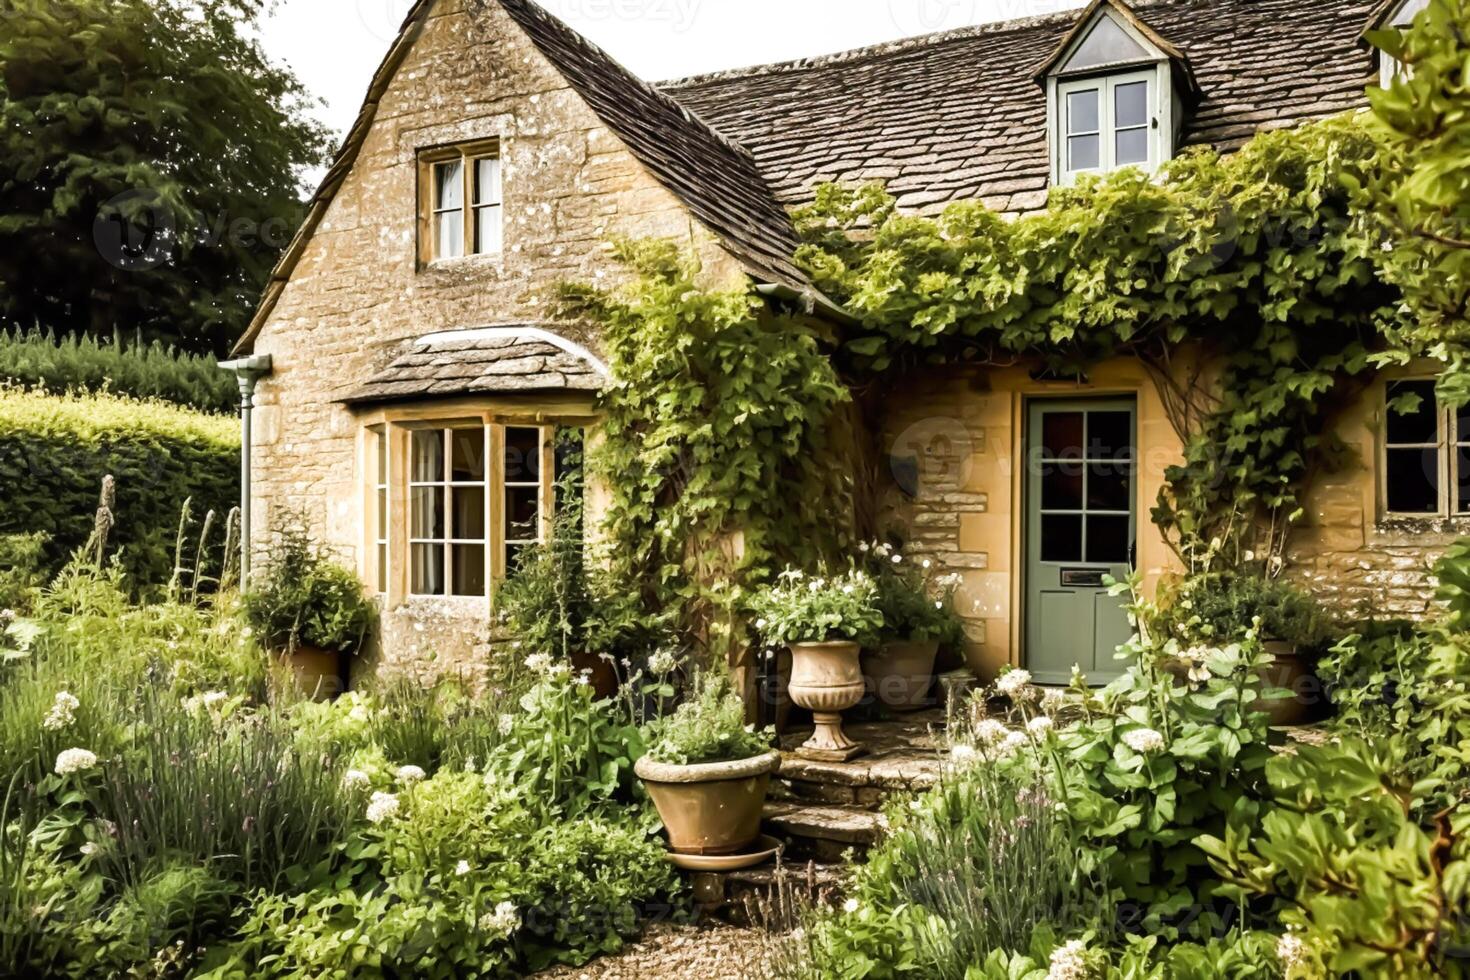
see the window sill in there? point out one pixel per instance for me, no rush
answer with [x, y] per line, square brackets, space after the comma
[1426, 524]
[459, 261]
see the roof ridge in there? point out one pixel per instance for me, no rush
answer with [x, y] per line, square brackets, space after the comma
[578, 38]
[885, 48]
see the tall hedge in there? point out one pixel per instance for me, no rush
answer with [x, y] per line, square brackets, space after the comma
[36, 359]
[55, 450]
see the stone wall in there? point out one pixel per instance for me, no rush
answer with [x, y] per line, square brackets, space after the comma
[964, 426]
[570, 186]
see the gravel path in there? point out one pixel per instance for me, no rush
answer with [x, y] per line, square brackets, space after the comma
[675, 952]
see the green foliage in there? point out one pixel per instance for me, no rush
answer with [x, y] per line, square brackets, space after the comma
[302, 598]
[1421, 195]
[716, 424]
[1254, 265]
[1221, 607]
[121, 122]
[42, 360]
[21, 558]
[56, 450]
[914, 605]
[709, 726]
[817, 609]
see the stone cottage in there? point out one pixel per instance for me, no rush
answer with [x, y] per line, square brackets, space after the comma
[414, 380]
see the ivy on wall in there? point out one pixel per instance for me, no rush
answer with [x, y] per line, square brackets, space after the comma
[717, 440]
[1248, 283]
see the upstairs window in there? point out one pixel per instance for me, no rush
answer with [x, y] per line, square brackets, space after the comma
[460, 202]
[1426, 453]
[1107, 124]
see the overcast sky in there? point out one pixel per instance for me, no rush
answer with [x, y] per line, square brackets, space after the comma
[334, 45]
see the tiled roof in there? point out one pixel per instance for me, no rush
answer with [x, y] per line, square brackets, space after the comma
[508, 359]
[958, 115]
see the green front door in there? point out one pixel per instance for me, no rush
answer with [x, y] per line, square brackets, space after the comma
[1081, 517]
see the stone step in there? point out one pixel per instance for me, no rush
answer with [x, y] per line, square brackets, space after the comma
[772, 895]
[861, 782]
[825, 832]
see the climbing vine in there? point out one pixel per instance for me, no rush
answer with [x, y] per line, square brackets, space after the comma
[1247, 283]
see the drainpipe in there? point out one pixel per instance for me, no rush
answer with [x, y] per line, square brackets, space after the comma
[809, 299]
[248, 370]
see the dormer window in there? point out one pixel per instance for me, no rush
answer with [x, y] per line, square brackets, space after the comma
[460, 202]
[1115, 94]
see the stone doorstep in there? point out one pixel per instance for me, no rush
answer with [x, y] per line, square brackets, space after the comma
[845, 825]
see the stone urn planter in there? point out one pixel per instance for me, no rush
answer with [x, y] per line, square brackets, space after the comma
[317, 673]
[711, 808]
[827, 679]
[1289, 669]
[900, 672]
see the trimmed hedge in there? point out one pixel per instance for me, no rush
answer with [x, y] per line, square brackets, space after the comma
[55, 450]
[40, 360]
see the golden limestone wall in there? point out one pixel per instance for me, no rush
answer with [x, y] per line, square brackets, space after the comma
[965, 427]
[570, 186]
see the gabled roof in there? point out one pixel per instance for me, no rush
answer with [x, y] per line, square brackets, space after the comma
[503, 359]
[715, 178]
[958, 115]
[1085, 21]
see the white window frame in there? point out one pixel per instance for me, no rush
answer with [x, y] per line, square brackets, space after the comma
[1106, 87]
[1448, 440]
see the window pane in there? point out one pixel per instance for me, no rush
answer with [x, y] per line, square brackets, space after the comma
[1130, 146]
[469, 569]
[1109, 435]
[1061, 537]
[487, 180]
[1107, 540]
[1082, 114]
[428, 569]
[448, 185]
[1419, 426]
[428, 513]
[1061, 435]
[382, 498]
[469, 514]
[1083, 152]
[1061, 486]
[1109, 486]
[383, 567]
[488, 239]
[469, 455]
[522, 455]
[1413, 481]
[449, 235]
[382, 458]
[1462, 424]
[522, 513]
[1462, 491]
[1130, 105]
[428, 456]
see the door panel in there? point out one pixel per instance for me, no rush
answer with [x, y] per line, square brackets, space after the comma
[1081, 493]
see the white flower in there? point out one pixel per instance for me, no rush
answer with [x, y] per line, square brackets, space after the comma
[1290, 950]
[897, 559]
[539, 663]
[408, 775]
[850, 906]
[863, 547]
[663, 662]
[214, 698]
[462, 868]
[1012, 682]
[990, 731]
[963, 755]
[505, 723]
[75, 760]
[62, 713]
[89, 849]
[502, 922]
[383, 806]
[1012, 743]
[938, 604]
[1053, 699]
[1143, 740]
[760, 624]
[1068, 962]
[1039, 725]
[359, 713]
[925, 563]
[355, 779]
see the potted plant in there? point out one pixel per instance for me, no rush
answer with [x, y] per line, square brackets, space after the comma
[310, 611]
[918, 617]
[707, 771]
[824, 620]
[1219, 607]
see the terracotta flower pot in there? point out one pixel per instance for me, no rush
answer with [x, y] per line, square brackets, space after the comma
[712, 807]
[900, 673]
[827, 679]
[317, 673]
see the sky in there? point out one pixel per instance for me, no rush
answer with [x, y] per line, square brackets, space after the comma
[335, 45]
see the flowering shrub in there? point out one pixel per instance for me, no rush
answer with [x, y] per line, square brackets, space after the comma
[819, 608]
[914, 603]
[708, 727]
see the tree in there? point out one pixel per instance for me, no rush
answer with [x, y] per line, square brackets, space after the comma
[150, 167]
[1422, 190]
